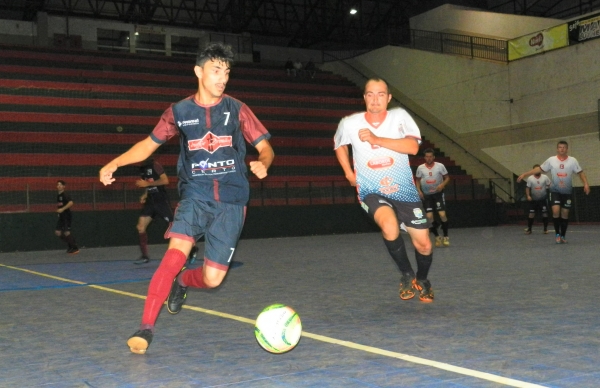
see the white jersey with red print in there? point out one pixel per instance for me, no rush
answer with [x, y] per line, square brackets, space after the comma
[538, 187]
[562, 173]
[380, 170]
[431, 177]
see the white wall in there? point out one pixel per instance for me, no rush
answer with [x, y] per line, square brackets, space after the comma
[554, 96]
[452, 18]
[18, 32]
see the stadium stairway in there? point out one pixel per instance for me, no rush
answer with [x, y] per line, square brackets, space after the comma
[64, 114]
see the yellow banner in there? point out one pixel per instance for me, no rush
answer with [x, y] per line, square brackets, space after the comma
[538, 42]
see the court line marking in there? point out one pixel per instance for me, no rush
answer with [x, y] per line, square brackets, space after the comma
[352, 345]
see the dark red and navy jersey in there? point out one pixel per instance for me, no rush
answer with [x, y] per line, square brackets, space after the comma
[213, 138]
[61, 200]
[152, 173]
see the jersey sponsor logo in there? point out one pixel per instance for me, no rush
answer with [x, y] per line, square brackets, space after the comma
[430, 181]
[380, 162]
[386, 181]
[205, 167]
[210, 142]
[387, 187]
[561, 174]
[186, 123]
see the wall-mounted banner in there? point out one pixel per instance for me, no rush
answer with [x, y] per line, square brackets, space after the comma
[581, 30]
[539, 42]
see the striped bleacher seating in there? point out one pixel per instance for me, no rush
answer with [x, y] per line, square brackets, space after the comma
[63, 115]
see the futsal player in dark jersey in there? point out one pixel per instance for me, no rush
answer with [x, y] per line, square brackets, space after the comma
[63, 225]
[155, 202]
[213, 129]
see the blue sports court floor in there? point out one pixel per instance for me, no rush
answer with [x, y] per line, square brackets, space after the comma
[509, 310]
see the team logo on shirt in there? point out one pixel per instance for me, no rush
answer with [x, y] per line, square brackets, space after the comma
[210, 142]
[387, 187]
[380, 162]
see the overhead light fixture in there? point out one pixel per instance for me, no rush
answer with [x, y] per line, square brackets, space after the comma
[353, 11]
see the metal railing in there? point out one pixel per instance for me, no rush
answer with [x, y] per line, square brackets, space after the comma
[120, 196]
[464, 45]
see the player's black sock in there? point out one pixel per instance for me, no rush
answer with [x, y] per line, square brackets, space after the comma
[71, 241]
[564, 223]
[397, 250]
[545, 221]
[445, 228]
[434, 228]
[529, 223]
[64, 238]
[423, 264]
[556, 225]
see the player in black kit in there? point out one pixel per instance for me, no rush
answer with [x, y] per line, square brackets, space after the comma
[63, 225]
[155, 200]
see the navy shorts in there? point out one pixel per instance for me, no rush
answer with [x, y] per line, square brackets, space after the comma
[564, 200]
[158, 205]
[220, 224]
[409, 213]
[433, 202]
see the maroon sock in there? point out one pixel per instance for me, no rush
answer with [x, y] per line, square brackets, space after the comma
[70, 240]
[193, 278]
[161, 283]
[144, 244]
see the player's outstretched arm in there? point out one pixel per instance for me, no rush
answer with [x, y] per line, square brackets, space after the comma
[140, 151]
[265, 159]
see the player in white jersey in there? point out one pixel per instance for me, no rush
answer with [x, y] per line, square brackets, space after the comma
[432, 178]
[537, 197]
[381, 141]
[562, 167]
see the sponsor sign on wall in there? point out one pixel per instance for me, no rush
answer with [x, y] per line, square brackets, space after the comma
[539, 42]
[588, 28]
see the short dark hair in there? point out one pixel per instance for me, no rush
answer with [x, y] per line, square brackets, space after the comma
[61, 182]
[536, 165]
[215, 52]
[429, 151]
[376, 79]
[562, 142]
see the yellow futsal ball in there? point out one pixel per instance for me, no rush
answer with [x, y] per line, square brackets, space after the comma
[278, 328]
